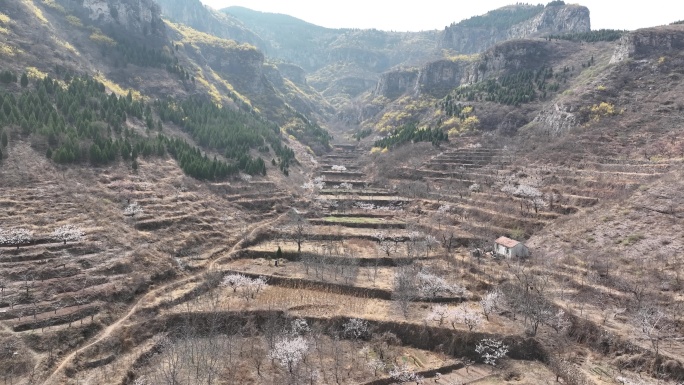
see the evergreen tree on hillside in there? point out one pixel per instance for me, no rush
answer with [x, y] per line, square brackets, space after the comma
[24, 80]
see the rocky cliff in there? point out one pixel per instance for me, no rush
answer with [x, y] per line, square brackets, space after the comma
[646, 42]
[133, 16]
[514, 22]
[435, 78]
[194, 14]
[438, 77]
[396, 83]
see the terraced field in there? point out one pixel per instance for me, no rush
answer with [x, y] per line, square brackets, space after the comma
[159, 285]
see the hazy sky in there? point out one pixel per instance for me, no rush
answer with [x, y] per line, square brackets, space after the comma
[419, 15]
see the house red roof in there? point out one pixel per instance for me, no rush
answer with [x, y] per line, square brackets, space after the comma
[507, 242]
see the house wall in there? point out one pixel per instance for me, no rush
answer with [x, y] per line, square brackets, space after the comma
[521, 251]
[501, 249]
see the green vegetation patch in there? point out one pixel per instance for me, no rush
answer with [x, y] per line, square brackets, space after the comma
[503, 18]
[365, 220]
[362, 134]
[79, 122]
[310, 134]
[632, 239]
[410, 133]
[231, 132]
[514, 89]
[591, 36]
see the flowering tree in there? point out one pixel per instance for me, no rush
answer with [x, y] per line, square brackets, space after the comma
[403, 374]
[475, 188]
[132, 209]
[490, 302]
[355, 328]
[559, 322]
[430, 285]
[366, 206]
[314, 184]
[339, 168]
[299, 327]
[16, 237]
[69, 233]
[491, 350]
[246, 287]
[289, 351]
[346, 186]
[530, 194]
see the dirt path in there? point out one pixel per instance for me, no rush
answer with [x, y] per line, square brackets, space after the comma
[104, 334]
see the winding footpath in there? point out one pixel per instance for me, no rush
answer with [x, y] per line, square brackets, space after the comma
[104, 334]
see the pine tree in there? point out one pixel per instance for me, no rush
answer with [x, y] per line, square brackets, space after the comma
[24, 80]
[3, 139]
[134, 165]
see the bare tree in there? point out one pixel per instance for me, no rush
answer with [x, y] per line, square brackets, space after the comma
[654, 325]
[439, 314]
[405, 288]
[299, 229]
[387, 244]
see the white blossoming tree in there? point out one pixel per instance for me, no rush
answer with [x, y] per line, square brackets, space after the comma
[132, 209]
[16, 237]
[68, 233]
[355, 328]
[490, 350]
[490, 302]
[431, 286]
[289, 352]
[245, 287]
[299, 327]
[404, 374]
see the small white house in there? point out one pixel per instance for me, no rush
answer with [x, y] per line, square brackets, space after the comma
[509, 248]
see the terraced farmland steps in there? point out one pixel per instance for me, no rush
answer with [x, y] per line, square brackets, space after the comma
[346, 184]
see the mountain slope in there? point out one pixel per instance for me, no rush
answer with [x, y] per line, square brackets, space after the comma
[201, 18]
[514, 22]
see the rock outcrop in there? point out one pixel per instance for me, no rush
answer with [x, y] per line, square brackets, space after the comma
[292, 72]
[396, 83]
[439, 77]
[196, 15]
[649, 42]
[468, 37]
[243, 65]
[133, 16]
[556, 120]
